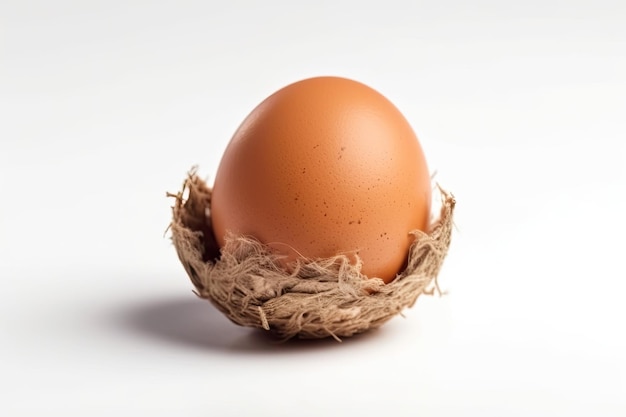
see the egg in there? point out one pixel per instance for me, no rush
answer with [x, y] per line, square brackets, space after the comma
[325, 166]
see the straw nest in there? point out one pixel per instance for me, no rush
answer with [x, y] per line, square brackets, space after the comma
[319, 298]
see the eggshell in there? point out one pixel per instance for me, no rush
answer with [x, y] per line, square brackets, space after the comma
[325, 166]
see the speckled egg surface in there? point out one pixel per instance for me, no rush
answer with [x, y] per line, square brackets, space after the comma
[325, 166]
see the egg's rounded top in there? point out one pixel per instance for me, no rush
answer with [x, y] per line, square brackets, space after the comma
[325, 166]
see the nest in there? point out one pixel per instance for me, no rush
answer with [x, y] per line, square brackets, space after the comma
[319, 298]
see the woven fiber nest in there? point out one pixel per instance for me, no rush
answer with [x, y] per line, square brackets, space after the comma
[320, 298]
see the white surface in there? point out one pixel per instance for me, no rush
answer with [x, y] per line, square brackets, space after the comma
[104, 105]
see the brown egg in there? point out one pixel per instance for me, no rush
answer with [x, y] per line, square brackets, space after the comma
[325, 166]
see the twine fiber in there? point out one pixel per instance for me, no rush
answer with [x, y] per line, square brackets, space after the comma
[320, 298]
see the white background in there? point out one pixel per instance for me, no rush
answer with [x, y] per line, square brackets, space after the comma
[105, 105]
